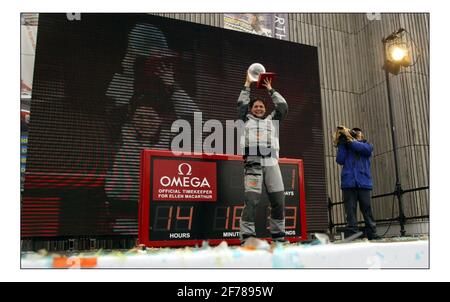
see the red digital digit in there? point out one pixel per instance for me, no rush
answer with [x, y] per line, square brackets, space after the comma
[218, 217]
[169, 221]
[228, 218]
[163, 214]
[292, 218]
[236, 217]
[293, 179]
[188, 218]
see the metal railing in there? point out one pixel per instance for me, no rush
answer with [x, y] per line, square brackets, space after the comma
[331, 204]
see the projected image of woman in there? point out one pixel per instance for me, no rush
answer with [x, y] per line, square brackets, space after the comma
[146, 91]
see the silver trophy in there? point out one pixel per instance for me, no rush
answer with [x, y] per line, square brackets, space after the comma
[254, 71]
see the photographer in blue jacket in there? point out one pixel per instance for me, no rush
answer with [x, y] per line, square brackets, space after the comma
[354, 154]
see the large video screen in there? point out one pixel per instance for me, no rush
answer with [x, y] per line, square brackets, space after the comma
[107, 86]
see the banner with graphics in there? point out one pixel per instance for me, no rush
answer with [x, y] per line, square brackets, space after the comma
[272, 25]
[28, 33]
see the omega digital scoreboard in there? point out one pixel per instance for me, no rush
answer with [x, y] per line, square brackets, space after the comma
[188, 199]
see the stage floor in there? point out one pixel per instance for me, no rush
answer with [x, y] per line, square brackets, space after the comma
[385, 253]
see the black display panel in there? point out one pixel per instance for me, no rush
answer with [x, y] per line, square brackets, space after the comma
[107, 86]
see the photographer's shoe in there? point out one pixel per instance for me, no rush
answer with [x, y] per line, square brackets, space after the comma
[353, 237]
[374, 237]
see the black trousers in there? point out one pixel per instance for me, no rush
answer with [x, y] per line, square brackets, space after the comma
[351, 199]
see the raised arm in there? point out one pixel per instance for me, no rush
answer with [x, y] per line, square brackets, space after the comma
[362, 148]
[281, 106]
[183, 105]
[341, 153]
[244, 100]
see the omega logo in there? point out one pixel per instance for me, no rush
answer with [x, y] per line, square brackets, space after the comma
[185, 170]
[189, 169]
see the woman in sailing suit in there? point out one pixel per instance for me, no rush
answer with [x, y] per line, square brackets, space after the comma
[260, 143]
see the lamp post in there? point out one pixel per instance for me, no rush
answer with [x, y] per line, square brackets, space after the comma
[394, 68]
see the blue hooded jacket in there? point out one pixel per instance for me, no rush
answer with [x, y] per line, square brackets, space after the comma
[355, 159]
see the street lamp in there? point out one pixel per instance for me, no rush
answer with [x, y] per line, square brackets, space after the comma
[396, 54]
